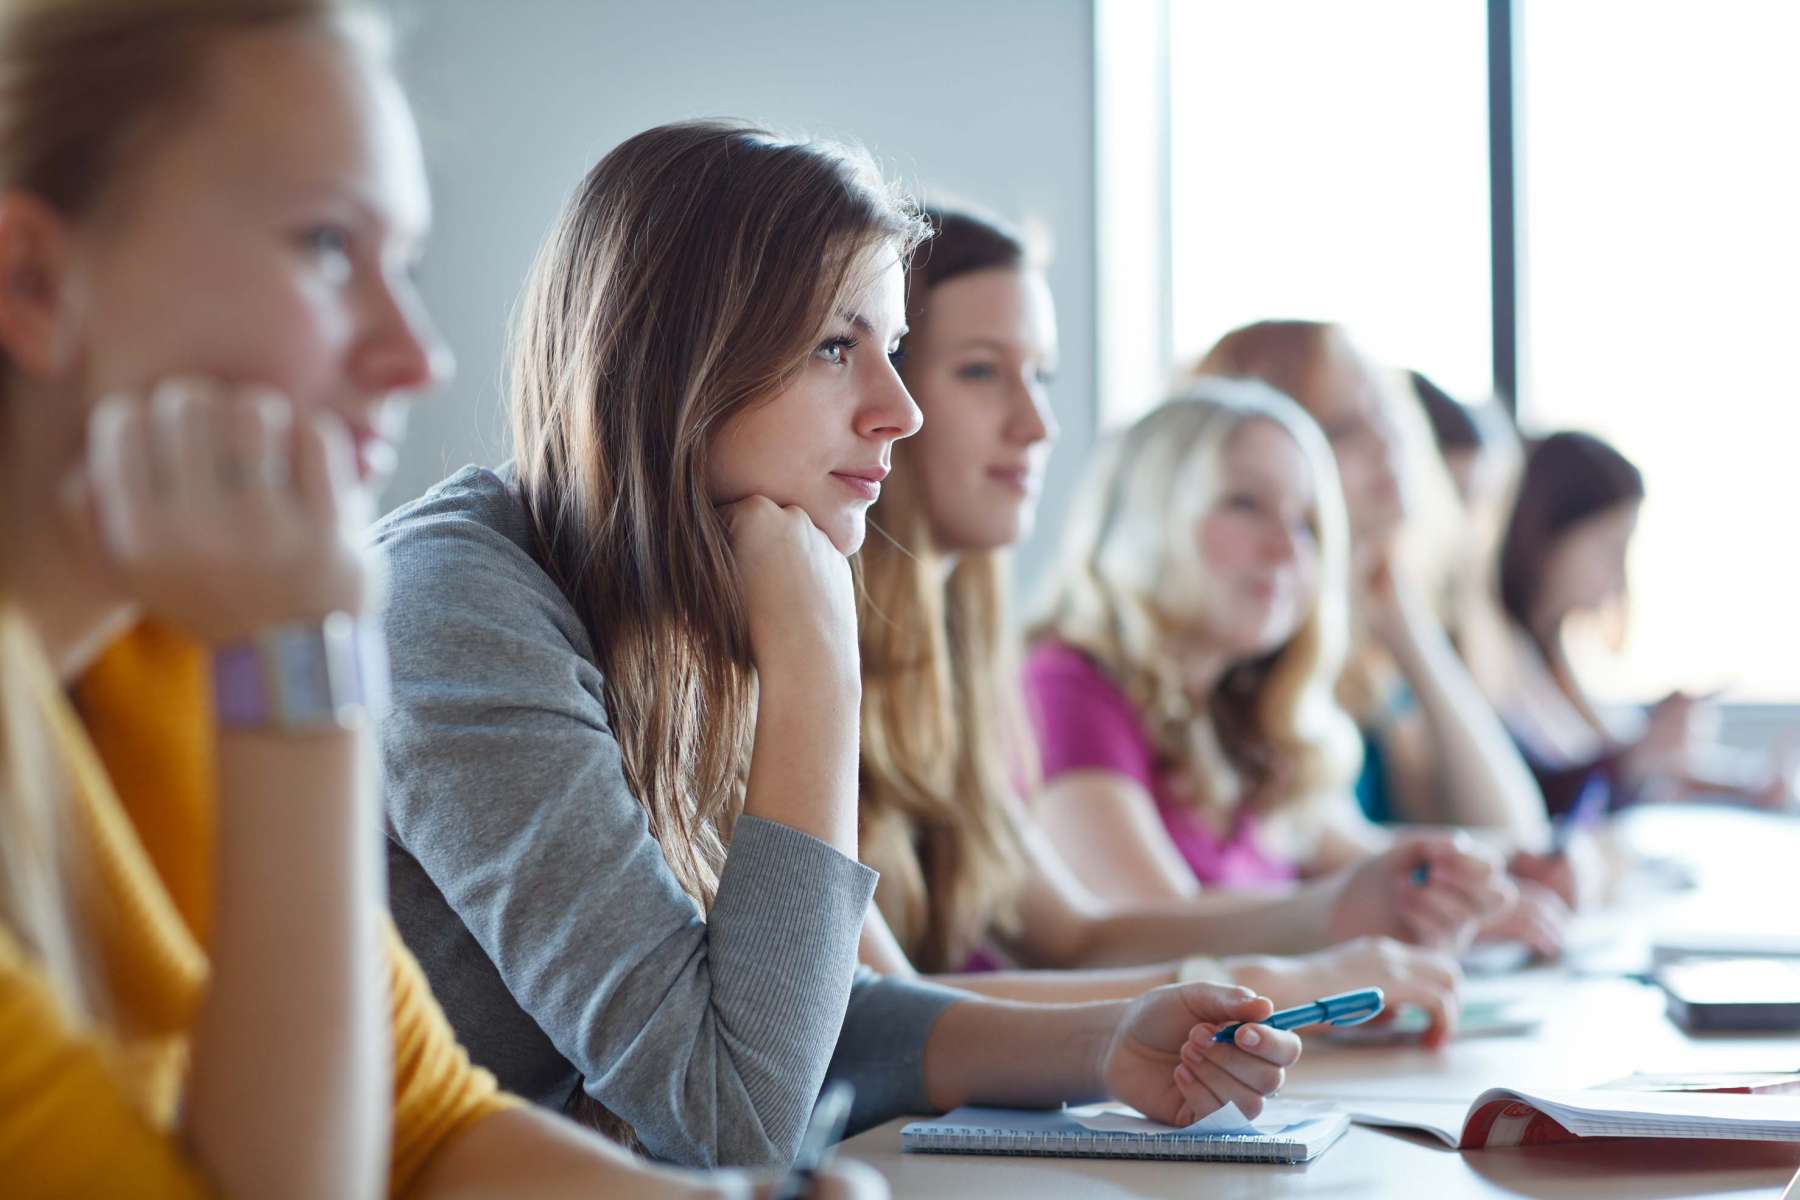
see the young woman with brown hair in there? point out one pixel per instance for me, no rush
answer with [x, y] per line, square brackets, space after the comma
[207, 215]
[622, 758]
[1563, 553]
[947, 755]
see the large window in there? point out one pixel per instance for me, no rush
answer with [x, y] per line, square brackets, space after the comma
[1318, 158]
[1660, 287]
[1329, 159]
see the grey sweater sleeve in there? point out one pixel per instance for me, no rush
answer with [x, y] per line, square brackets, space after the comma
[709, 1036]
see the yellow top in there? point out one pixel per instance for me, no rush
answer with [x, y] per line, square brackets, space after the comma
[93, 1113]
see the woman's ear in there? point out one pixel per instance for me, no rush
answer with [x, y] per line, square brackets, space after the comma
[33, 289]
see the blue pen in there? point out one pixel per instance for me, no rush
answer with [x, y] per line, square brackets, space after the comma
[1346, 1008]
[1590, 805]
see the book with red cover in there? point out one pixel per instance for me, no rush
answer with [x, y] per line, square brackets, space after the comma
[1510, 1117]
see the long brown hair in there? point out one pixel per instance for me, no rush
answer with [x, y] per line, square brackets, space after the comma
[688, 278]
[944, 743]
[1273, 717]
[86, 86]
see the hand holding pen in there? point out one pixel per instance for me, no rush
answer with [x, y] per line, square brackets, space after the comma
[1569, 868]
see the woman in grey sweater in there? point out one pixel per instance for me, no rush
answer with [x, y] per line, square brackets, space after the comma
[621, 761]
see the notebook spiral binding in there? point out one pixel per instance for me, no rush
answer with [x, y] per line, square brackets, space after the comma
[1097, 1144]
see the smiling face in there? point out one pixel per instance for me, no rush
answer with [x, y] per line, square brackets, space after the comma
[267, 238]
[1248, 578]
[980, 365]
[824, 442]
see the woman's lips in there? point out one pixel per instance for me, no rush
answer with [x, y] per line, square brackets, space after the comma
[1016, 479]
[865, 482]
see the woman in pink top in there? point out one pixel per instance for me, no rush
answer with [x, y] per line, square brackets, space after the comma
[1086, 722]
[1182, 681]
[1182, 677]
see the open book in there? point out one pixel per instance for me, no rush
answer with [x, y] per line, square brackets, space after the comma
[1507, 1117]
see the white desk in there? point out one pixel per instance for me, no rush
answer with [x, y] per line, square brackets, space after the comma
[1607, 1028]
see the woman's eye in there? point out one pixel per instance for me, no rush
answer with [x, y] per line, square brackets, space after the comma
[836, 350]
[1046, 378]
[329, 245]
[1241, 502]
[976, 372]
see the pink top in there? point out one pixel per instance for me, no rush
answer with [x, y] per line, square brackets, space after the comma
[1083, 720]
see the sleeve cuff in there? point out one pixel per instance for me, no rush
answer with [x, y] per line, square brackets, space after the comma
[882, 1050]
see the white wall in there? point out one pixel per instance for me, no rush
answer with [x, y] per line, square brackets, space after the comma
[991, 100]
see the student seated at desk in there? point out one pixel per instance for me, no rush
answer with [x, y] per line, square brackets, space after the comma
[1434, 751]
[945, 750]
[1563, 554]
[1475, 468]
[1181, 678]
[621, 758]
[206, 212]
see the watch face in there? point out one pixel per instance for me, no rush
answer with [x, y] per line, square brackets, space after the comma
[240, 696]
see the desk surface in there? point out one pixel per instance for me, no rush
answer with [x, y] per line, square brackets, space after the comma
[1599, 1029]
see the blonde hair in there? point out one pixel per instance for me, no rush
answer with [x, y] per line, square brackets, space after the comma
[37, 904]
[86, 89]
[945, 746]
[1274, 717]
[1292, 355]
[688, 278]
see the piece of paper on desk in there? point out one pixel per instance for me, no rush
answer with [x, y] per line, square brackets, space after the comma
[1277, 1115]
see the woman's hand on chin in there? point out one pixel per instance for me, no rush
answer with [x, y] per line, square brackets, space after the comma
[224, 511]
[798, 597]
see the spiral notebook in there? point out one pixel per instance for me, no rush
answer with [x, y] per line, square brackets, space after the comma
[1297, 1136]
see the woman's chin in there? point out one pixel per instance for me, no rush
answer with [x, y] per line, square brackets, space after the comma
[847, 533]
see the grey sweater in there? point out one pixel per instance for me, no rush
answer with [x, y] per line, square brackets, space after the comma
[524, 877]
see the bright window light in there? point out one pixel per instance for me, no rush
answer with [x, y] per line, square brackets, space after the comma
[1329, 160]
[1660, 188]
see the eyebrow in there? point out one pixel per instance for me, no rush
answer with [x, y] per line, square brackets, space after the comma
[998, 345]
[413, 227]
[857, 321]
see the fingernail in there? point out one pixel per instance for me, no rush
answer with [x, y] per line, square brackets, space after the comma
[1248, 1038]
[1183, 1074]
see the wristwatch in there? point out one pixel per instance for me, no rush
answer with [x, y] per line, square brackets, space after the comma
[308, 676]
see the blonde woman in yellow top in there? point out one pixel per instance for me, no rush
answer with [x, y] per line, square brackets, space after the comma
[207, 212]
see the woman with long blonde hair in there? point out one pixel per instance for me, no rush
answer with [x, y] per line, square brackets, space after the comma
[207, 212]
[1433, 749]
[1200, 609]
[966, 868]
[622, 755]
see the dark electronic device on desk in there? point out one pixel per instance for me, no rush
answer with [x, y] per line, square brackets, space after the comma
[1750, 995]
